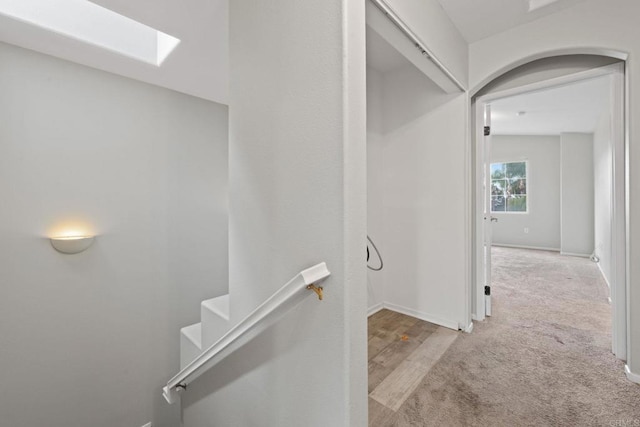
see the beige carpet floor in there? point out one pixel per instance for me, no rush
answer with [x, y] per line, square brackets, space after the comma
[543, 359]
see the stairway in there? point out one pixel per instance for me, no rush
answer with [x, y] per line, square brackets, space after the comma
[214, 322]
[204, 344]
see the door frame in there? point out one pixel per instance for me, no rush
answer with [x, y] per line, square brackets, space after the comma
[485, 217]
[620, 181]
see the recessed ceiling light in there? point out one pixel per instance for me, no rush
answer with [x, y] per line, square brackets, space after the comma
[537, 4]
[94, 24]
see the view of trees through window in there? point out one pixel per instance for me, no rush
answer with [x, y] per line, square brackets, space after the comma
[509, 187]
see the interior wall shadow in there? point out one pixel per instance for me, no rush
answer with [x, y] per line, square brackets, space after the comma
[545, 69]
[415, 152]
[409, 95]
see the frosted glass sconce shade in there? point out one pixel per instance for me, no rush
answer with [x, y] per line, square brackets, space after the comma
[71, 245]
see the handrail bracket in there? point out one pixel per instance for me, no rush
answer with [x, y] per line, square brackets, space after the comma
[317, 289]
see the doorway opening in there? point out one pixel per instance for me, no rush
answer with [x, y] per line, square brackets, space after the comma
[550, 174]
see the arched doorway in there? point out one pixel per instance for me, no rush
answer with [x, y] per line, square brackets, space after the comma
[536, 73]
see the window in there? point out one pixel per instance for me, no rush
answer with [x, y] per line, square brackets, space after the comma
[509, 187]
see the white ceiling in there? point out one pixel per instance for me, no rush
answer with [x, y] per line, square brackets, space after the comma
[571, 108]
[198, 66]
[477, 19]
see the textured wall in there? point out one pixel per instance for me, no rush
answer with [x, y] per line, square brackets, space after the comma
[89, 339]
[417, 198]
[297, 197]
[576, 176]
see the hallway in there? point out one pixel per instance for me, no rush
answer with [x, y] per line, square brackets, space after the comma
[544, 358]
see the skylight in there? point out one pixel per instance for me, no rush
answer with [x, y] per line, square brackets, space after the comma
[537, 4]
[91, 23]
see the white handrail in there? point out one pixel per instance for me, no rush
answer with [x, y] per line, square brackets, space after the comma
[257, 321]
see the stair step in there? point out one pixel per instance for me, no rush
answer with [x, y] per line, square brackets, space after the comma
[214, 314]
[190, 343]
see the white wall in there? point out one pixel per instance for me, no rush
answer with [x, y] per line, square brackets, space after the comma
[89, 339]
[297, 174]
[543, 192]
[417, 198]
[591, 23]
[375, 180]
[602, 174]
[576, 210]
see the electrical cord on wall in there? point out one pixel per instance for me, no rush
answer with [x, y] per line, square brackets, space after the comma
[377, 252]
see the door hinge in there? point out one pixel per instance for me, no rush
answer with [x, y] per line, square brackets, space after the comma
[487, 130]
[487, 290]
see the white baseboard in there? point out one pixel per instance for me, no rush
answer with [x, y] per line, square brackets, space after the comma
[422, 316]
[535, 248]
[417, 314]
[469, 328]
[575, 254]
[375, 308]
[603, 275]
[631, 376]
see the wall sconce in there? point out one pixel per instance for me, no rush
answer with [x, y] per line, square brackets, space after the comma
[71, 244]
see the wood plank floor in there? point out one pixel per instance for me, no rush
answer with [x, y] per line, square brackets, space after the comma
[402, 350]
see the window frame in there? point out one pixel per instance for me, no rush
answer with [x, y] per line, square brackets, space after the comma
[527, 205]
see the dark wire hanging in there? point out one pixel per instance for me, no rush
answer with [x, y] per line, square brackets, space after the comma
[377, 252]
